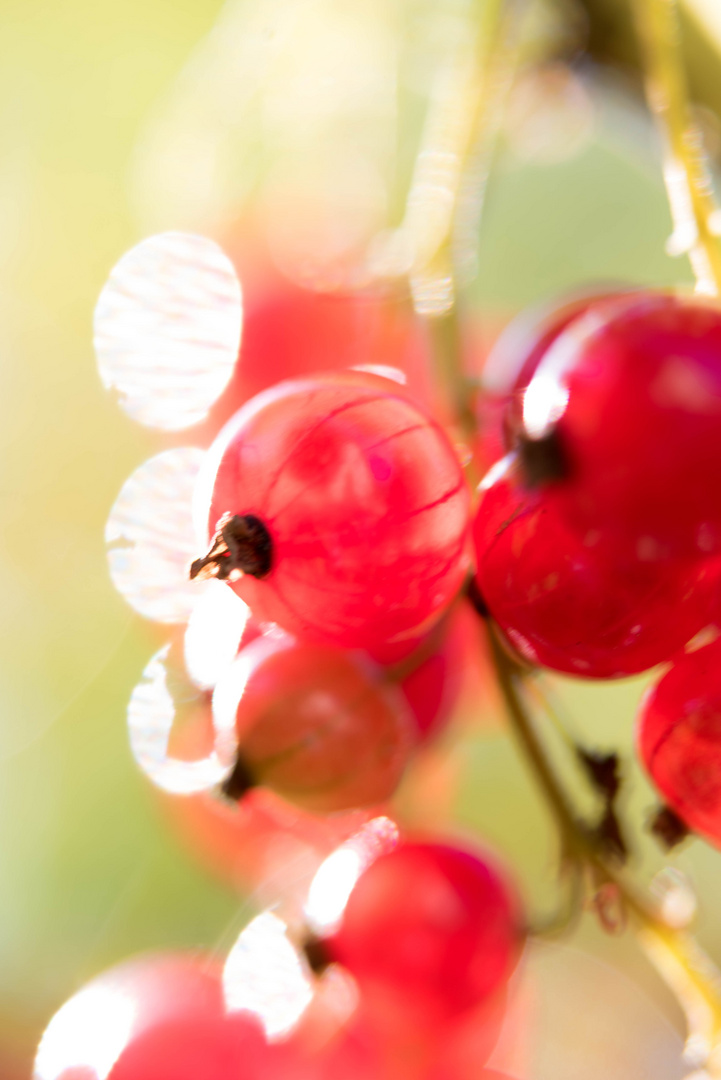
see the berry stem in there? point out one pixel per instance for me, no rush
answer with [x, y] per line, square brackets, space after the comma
[437, 235]
[686, 969]
[688, 181]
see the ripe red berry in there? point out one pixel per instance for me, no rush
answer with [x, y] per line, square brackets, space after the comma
[512, 363]
[341, 509]
[574, 606]
[313, 724]
[428, 931]
[679, 739]
[629, 397]
[150, 1019]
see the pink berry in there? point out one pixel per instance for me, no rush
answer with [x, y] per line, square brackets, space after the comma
[345, 508]
[152, 1018]
[629, 397]
[313, 724]
[679, 739]
[428, 932]
[583, 608]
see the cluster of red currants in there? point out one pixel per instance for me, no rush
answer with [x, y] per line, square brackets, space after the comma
[335, 505]
[598, 534]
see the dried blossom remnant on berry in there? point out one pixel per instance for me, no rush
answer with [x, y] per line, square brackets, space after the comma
[542, 460]
[238, 782]
[317, 954]
[241, 545]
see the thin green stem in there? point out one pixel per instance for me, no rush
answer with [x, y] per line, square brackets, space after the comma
[688, 182]
[686, 969]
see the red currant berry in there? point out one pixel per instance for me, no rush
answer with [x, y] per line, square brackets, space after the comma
[340, 509]
[312, 724]
[679, 739]
[151, 1019]
[513, 360]
[575, 606]
[628, 399]
[428, 932]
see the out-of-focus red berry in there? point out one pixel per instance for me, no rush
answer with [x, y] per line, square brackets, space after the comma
[314, 724]
[679, 739]
[429, 931]
[250, 843]
[364, 502]
[574, 606]
[153, 1018]
[630, 394]
[291, 332]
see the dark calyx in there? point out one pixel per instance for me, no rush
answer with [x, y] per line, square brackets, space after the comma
[542, 460]
[668, 828]
[238, 782]
[316, 953]
[241, 545]
[476, 600]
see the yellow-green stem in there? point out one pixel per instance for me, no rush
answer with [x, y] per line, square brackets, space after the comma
[686, 969]
[687, 177]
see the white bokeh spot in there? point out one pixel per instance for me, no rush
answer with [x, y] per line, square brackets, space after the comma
[151, 715]
[151, 539]
[91, 1030]
[167, 329]
[264, 975]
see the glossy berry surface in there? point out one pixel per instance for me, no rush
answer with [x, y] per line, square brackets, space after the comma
[513, 360]
[428, 929]
[679, 739]
[363, 500]
[160, 1017]
[574, 606]
[632, 396]
[313, 724]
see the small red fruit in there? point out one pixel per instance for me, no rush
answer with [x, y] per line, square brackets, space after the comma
[679, 739]
[338, 511]
[428, 932]
[313, 724]
[574, 602]
[629, 399]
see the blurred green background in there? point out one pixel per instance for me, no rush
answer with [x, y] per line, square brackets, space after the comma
[88, 92]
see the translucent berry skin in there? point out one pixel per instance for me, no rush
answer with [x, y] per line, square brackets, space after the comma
[152, 1018]
[632, 394]
[585, 609]
[678, 737]
[364, 500]
[430, 929]
[314, 725]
